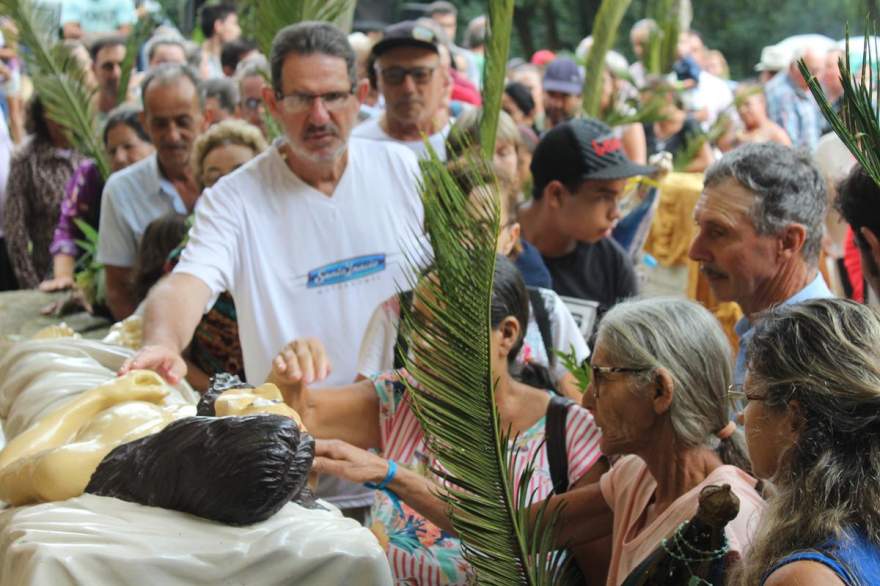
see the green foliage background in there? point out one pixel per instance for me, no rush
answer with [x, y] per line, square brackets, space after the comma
[739, 28]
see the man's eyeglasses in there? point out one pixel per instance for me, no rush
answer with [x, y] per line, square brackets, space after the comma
[736, 394]
[606, 370]
[396, 75]
[300, 101]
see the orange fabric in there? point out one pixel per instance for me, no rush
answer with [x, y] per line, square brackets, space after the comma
[673, 227]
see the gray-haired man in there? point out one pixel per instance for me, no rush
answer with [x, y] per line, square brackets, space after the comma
[308, 237]
[154, 186]
[760, 221]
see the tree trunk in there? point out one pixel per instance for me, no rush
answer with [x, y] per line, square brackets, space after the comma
[872, 10]
[522, 19]
[550, 22]
[587, 11]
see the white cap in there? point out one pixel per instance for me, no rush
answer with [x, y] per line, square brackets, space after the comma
[773, 58]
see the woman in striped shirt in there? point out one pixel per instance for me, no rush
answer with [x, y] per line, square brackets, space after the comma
[410, 520]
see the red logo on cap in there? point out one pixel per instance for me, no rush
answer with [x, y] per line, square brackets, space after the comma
[609, 145]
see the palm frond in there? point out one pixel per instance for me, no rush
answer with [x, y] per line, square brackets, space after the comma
[500, 30]
[604, 32]
[454, 399]
[58, 79]
[662, 43]
[856, 124]
[143, 28]
[266, 17]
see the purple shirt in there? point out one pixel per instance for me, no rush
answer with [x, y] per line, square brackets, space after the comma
[82, 199]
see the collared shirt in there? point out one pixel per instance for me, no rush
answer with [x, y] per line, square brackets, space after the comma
[817, 289]
[132, 199]
[795, 110]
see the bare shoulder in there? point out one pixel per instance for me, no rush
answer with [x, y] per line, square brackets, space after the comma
[804, 573]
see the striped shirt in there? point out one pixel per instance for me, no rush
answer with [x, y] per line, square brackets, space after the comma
[418, 551]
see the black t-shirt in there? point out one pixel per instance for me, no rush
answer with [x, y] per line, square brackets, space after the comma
[675, 144]
[600, 272]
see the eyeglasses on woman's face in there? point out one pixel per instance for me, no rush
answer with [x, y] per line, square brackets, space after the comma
[600, 372]
[738, 394]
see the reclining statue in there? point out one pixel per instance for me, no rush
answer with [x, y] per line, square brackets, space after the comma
[119, 439]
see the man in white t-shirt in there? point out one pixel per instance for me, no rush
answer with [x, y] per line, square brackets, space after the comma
[409, 73]
[308, 237]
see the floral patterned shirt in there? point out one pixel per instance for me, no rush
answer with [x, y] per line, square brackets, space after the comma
[418, 551]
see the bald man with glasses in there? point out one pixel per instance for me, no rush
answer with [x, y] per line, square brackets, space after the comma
[412, 78]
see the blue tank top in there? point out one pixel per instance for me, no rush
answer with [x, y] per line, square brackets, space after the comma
[854, 559]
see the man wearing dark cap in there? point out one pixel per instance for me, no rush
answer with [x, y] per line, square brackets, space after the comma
[563, 84]
[407, 71]
[580, 172]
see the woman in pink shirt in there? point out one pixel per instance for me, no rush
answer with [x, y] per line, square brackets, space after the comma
[409, 520]
[661, 369]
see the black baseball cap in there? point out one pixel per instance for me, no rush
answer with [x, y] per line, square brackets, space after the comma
[408, 33]
[581, 149]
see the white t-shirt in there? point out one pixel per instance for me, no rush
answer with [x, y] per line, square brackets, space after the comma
[377, 348]
[371, 129]
[299, 263]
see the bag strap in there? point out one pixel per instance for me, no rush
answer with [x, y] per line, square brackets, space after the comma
[554, 436]
[404, 299]
[542, 319]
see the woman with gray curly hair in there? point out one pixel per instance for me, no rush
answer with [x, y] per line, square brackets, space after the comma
[661, 369]
[813, 428]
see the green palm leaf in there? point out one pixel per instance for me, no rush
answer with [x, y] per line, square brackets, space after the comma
[58, 80]
[662, 44]
[266, 17]
[143, 28]
[604, 32]
[856, 124]
[497, 47]
[454, 399]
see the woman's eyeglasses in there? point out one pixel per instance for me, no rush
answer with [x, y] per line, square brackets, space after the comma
[606, 370]
[737, 394]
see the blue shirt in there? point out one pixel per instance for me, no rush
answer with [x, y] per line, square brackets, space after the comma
[98, 16]
[817, 289]
[132, 198]
[794, 110]
[530, 264]
[854, 559]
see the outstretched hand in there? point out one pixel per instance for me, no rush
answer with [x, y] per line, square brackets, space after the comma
[167, 363]
[300, 363]
[343, 460]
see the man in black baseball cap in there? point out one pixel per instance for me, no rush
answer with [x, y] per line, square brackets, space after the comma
[579, 173]
[408, 71]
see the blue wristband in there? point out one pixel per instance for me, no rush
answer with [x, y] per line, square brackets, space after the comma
[392, 470]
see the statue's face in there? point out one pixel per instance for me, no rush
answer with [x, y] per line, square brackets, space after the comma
[263, 399]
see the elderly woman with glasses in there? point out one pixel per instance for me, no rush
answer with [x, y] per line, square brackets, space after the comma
[813, 429]
[661, 369]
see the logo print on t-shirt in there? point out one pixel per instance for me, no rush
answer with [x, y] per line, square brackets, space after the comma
[346, 270]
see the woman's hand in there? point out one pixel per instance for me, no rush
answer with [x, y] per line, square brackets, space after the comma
[343, 460]
[56, 284]
[300, 363]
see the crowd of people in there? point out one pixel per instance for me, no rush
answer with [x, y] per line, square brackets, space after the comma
[262, 210]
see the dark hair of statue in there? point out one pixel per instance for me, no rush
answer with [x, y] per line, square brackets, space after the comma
[235, 470]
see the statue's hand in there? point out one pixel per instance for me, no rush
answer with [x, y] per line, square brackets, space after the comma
[167, 363]
[137, 385]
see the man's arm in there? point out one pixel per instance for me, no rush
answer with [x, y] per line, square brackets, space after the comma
[173, 309]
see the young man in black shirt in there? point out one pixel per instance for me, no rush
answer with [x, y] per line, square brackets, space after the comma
[579, 173]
